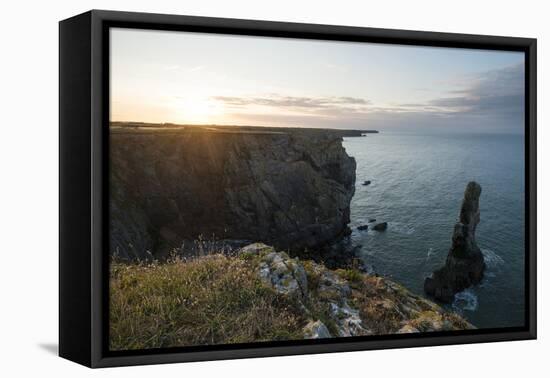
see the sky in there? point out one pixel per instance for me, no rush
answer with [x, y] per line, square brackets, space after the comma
[199, 78]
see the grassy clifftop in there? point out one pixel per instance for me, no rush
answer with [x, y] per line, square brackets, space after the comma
[258, 295]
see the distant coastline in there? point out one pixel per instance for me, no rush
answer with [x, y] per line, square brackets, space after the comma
[235, 128]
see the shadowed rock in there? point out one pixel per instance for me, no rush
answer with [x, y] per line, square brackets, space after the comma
[465, 264]
[290, 188]
[380, 226]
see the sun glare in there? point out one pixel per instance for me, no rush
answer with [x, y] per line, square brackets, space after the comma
[196, 109]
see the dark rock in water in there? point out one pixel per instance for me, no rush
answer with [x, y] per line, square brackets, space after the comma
[465, 264]
[363, 227]
[372, 220]
[346, 232]
[367, 182]
[380, 226]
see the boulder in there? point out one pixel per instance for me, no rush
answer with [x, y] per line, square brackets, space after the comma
[465, 264]
[380, 226]
[363, 227]
[316, 330]
[372, 220]
[285, 275]
[366, 182]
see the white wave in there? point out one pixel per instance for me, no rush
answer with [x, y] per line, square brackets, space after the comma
[492, 259]
[465, 301]
[429, 253]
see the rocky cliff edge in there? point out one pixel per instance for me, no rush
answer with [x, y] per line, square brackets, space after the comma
[169, 188]
[260, 294]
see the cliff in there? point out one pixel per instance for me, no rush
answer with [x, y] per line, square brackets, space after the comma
[465, 264]
[259, 294]
[169, 187]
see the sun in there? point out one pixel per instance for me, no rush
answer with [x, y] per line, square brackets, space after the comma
[197, 109]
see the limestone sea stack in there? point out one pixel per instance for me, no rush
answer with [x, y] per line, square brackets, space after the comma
[465, 264]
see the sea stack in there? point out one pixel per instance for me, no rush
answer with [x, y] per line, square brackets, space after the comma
[465, 264]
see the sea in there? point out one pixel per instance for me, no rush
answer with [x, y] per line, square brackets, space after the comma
[417, 186]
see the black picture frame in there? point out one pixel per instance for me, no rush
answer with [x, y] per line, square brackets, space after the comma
[83, 167]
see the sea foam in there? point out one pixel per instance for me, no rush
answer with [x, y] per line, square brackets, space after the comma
[465, 300]
[492, 259]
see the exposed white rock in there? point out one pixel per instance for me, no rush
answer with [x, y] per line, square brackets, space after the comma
[332, 286]
[316, 330]
[330, 290]
[285, 275]
[347, 320]
[335, 291]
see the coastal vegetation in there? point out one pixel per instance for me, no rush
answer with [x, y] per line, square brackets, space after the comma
[258, 294]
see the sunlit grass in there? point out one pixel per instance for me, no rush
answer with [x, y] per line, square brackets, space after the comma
[211, 300]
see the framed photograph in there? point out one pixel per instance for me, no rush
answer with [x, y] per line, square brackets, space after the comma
[235, 188]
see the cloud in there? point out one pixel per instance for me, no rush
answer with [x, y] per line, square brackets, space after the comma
[307, 104]
[488, 101]
[495, 93]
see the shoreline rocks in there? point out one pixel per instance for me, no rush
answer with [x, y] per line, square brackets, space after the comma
[465, 264]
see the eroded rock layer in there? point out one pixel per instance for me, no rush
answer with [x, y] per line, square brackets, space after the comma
[290, 188]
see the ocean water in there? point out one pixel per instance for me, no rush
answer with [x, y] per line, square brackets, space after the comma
[418, 181]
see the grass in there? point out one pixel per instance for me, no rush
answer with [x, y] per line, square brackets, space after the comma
[212, 300]
[353, 276]
[386, 306]
[217, 299]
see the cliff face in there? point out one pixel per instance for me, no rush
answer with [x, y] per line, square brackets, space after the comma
[291, 189]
